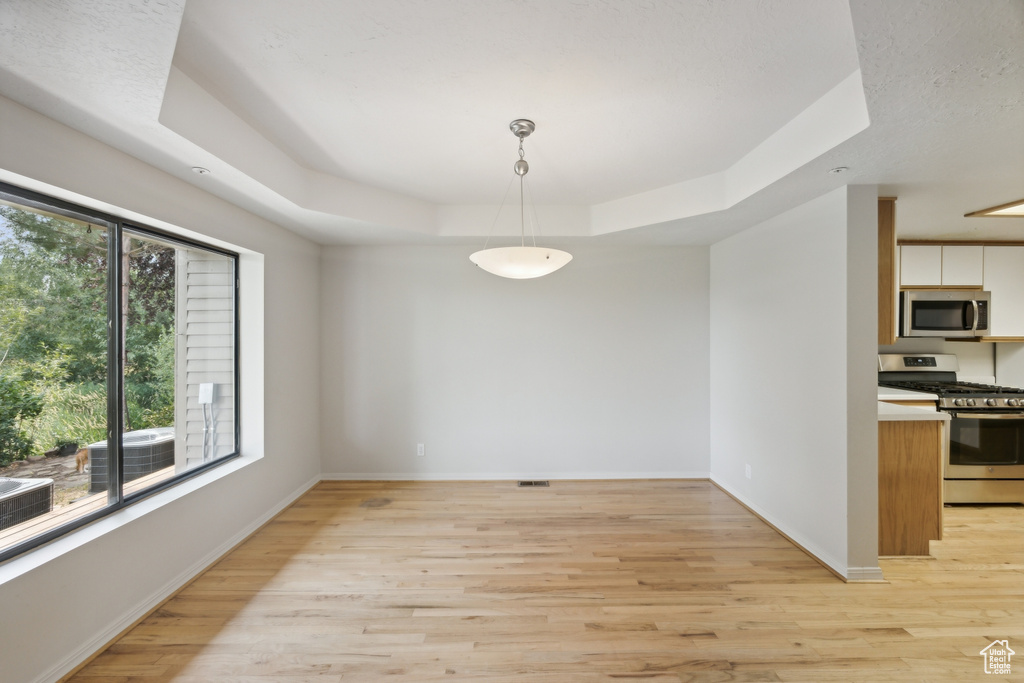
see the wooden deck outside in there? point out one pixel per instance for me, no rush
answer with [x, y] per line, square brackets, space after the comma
[79, 508]
[582, 581]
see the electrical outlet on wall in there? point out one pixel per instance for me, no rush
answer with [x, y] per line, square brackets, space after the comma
[420, 450]
[746, 470]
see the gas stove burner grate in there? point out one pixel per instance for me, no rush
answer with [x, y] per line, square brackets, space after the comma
[952, 388]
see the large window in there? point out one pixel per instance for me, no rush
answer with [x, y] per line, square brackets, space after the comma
[118, 373]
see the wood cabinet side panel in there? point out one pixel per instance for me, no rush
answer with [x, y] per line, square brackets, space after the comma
[909, 486]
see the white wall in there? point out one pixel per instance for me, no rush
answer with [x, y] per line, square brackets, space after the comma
[781, 313]
[598, 370]
[1009, 366]
[62, 602]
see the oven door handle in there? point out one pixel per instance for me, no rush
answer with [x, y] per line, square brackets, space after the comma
[989, 416]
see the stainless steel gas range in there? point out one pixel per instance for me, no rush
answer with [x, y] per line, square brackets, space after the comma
[986, 436]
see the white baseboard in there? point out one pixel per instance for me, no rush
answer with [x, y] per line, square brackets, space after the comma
[75, 658]
[865, 575]
[806, 544]
[504, 476]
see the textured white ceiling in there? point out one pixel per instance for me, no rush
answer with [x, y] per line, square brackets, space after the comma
[679, 122]
[416, 97]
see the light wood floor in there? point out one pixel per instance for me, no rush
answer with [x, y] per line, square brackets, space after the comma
[585, 581]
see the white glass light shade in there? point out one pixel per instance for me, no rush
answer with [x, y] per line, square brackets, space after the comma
[521, 263]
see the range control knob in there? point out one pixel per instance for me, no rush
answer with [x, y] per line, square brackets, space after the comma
[959, 402]
[991, 402]
[1012, 402]
[971, 402]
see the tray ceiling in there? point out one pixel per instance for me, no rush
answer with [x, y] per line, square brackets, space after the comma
[386, 120]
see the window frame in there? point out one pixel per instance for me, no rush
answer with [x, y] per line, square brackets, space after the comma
[116, 226]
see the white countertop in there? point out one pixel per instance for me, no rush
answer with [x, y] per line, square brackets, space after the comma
[891, 394]
[895, 412]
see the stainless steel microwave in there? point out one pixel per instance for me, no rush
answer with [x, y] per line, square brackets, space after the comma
[945, 313]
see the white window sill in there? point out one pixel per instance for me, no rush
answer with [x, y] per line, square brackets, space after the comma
[32, 559]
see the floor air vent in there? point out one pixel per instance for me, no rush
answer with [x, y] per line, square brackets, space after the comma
[534, 483]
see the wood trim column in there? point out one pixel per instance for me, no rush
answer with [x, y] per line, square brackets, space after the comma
[888, 288]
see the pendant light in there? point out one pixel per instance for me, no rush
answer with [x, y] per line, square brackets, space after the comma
[521, 262]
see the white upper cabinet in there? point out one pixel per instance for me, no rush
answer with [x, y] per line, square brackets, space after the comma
[1004, 278]
[963, 265]
[934, 265]
[920, 265]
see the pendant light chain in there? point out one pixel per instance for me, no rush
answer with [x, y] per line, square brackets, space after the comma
[522, 179]
[520, 262]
